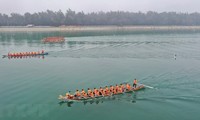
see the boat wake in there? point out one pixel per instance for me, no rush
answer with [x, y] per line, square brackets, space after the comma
[149, 87]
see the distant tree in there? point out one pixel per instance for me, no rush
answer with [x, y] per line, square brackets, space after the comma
[4, 20]
[16, 19]
[28, 18]
[70, 17]
[119, 18]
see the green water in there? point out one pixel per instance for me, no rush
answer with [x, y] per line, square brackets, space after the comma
[29, 87]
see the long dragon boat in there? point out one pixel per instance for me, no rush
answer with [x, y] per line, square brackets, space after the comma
[53, 39]
[25, 54]
[78, 99]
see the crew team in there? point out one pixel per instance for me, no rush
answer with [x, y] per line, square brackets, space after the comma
[106, 91]
[26, 53]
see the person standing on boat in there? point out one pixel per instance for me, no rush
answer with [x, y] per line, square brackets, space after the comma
[134, 83]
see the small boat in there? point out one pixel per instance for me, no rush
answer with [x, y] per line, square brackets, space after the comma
[53, 39]
[21, 55]
[79, 99]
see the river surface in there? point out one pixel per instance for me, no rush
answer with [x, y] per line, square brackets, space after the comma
[29, 87]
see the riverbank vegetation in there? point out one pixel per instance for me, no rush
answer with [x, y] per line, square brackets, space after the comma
[119, 18]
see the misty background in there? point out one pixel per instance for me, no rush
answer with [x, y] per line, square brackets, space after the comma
[31, 6]
[104, 12]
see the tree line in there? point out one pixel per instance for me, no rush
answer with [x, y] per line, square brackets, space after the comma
[119, 18]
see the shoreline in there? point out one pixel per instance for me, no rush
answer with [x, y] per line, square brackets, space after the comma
[95, 28]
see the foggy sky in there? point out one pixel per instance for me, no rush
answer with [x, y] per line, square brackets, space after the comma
[22, 6]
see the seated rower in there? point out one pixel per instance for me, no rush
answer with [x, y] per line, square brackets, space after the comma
[69, 96]
[122, 86]
[101, 92]
[96, 92]
[114, 91]
[91, 94]
[120, 89]
[116, 88]
[111, 89]
[82, 92]
[85, 95]
[77, 93]
[104, 92]
[128, 87]
[107, 92]
[89, 91]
